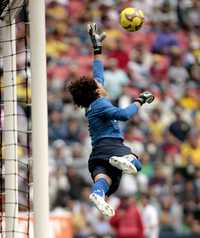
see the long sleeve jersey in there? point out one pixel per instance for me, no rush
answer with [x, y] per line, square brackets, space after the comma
[103, 117]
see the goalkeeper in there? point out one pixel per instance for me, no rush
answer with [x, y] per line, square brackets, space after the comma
[109, 157]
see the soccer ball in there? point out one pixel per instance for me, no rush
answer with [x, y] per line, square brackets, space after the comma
[131, 19]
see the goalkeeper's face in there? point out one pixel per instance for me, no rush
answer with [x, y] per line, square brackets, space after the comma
[101, 90]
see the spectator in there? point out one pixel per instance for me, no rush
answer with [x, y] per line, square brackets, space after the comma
[150, 217]
[165, 39]
[190, 151]
[73, 131]
[178, 184]
[170, 215]
[119, 76]
[117, 52]
[156, 126]
[61, 156]
[178, 74]
[147, 167]
[76, 183]
[57, 126]
[179, 128]
[127, 221]
[158, 182]
[139, 66]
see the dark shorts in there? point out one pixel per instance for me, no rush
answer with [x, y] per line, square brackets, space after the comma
[99, 160]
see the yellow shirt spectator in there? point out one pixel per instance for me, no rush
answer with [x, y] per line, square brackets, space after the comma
[157, 129]
[190, 102]
[190, 154]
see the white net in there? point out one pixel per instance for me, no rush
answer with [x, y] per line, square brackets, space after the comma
[15, 108]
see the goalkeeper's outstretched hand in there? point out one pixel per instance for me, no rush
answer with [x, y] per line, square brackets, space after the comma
[145, 97]
[95, 37]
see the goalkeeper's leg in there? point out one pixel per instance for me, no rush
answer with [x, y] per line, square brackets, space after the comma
[99, 190]
[129, 164]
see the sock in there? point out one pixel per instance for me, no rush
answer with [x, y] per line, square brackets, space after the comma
[137, 164]
[100, 187]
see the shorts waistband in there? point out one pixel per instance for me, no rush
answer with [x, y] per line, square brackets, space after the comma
[109, 141]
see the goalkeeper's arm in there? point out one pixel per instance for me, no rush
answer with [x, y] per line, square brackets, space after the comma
[97, 40]
[124, 114]
[98, 69]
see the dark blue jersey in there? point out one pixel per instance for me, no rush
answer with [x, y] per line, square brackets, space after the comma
[102, 116]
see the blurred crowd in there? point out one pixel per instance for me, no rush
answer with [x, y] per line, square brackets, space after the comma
[164, 58]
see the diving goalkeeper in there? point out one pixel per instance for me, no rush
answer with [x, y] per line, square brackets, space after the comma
[109, 157]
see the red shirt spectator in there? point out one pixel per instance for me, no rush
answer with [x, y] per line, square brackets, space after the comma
[119, 54]
[127, 221]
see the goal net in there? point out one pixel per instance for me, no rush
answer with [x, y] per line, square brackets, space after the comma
[15, 118]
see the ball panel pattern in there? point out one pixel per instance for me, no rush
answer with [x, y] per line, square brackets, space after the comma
[131, 19]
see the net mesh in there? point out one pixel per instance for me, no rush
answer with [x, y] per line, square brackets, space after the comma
[22, 157]
[3, 6]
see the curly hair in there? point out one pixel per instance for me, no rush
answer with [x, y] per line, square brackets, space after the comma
[83, 91]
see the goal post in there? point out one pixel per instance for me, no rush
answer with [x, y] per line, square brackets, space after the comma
[39, 117]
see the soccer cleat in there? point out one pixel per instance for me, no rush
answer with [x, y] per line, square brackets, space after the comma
[128, 164]
[102, 205]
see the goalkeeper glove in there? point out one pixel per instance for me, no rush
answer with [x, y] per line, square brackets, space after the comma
[96, 38]
[145, 97]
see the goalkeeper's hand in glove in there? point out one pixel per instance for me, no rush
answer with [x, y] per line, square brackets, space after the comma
[145, 97]
[96, 38]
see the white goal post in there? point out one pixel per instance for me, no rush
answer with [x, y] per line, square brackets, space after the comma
[39, 117]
